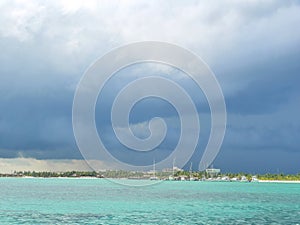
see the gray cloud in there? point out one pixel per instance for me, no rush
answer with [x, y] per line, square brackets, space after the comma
[253, 48]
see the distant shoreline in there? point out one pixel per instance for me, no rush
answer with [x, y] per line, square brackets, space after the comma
[280, 181]
[211, 181]
[181, 175]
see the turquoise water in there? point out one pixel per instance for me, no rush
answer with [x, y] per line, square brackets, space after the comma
[98, 201]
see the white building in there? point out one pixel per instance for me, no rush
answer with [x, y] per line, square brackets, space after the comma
[212, 172]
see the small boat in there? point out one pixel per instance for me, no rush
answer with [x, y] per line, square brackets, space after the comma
[244, 179]
[234, 179]
[254, 179]
[191, 178]
[170, 178]
[182, 178]
[154, 177]
[226, 178]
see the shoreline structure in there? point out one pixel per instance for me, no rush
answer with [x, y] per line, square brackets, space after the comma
[166, 175]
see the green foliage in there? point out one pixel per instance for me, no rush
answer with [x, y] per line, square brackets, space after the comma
[281, 176]
[146, 175]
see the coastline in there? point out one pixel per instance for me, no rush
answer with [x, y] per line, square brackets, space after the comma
[89, 177]
[280, 181]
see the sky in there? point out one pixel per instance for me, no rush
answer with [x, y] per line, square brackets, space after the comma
[253, 48]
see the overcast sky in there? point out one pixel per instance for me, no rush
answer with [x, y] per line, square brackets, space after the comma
[253, 47]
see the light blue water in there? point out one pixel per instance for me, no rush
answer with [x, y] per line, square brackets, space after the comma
[98, 201]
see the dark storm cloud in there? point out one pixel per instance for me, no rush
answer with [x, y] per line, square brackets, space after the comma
[275, 82]
[252, 47]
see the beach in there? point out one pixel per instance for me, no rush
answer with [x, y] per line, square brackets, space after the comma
[280, 181]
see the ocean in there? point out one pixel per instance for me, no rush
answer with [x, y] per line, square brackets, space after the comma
[99, 201]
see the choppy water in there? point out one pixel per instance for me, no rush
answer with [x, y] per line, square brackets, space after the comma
[98, 201]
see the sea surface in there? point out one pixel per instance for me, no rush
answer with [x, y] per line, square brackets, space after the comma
[99, 201]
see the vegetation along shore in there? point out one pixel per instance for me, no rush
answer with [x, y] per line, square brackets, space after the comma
[179, 175]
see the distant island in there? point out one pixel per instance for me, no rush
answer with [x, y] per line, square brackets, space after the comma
[162, 175]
